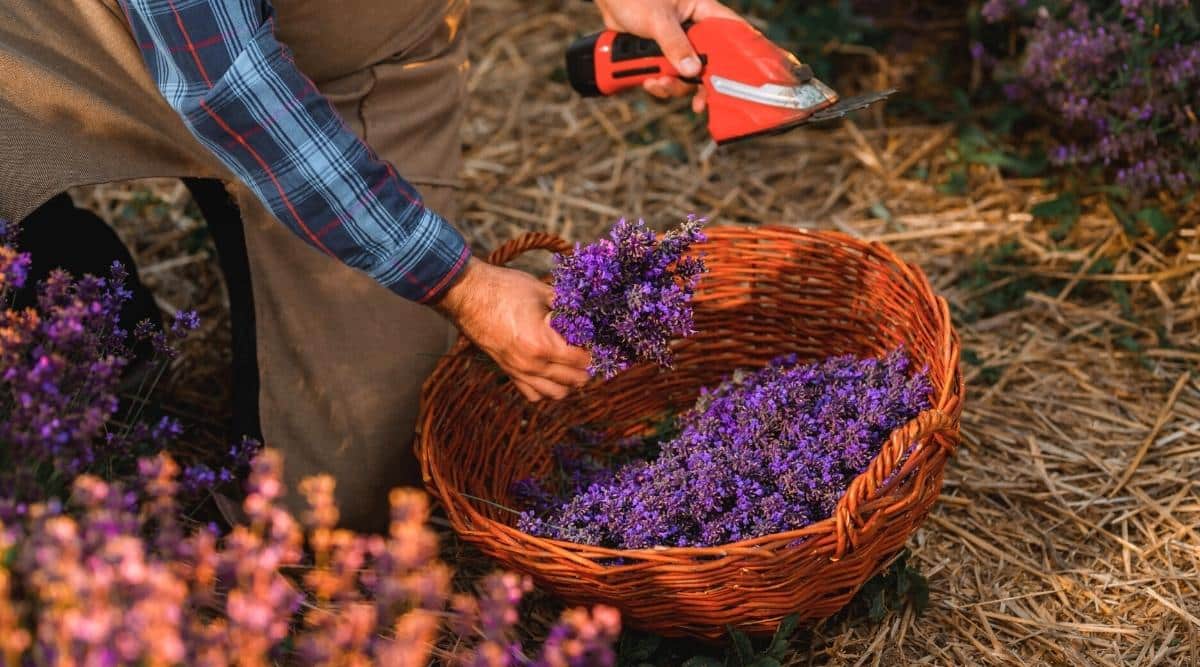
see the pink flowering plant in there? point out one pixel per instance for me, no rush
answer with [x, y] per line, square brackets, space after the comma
[107, 580]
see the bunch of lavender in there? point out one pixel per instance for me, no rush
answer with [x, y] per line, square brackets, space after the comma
[763, 453]
[82, 584]
[624, 298]
[1123, 80]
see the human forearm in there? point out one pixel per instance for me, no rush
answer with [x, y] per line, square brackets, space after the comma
[239, 92]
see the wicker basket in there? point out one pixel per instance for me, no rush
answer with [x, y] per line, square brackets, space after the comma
[769, 290]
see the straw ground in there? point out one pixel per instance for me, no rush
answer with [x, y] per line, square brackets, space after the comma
[1069, 528]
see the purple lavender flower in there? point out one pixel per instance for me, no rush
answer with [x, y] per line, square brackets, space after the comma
[1122, 80]
[185, 321]
[764, 452]
[581, 639]
[60, 368]
[14, 269]
[995, 10]
[624, 298]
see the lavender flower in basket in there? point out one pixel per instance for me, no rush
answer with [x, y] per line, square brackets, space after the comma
[763, 453]
[625, 297]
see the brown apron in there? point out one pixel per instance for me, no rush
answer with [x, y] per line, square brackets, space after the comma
[341, 359]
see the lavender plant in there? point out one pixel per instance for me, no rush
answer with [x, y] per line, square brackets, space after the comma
[95, 589]
[624, 298]
[764, 452]
[61, 367]
[1122, 79]
[116, 575]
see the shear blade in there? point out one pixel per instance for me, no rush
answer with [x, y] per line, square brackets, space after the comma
[849, 104]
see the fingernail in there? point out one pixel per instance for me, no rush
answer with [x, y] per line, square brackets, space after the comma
[689, 66]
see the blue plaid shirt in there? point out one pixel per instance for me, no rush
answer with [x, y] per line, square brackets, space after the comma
[218, 64]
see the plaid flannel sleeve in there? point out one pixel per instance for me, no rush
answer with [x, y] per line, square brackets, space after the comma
[238, 89]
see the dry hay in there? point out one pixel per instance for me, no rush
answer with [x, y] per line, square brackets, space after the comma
[1069, 531]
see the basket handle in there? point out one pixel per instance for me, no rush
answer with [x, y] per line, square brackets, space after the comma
[925, 427]
[510, 250]
[513, 248]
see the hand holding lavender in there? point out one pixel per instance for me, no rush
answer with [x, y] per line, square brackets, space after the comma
[624, 298]
[503, 311]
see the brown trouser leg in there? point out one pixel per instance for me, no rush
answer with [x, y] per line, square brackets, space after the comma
[341, 359]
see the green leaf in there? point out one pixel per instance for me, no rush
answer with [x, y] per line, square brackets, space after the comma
[1126, 220]
[742, 646]
[765, 661]
[956, 184]
[971, 139]
[787, 627]
[990, 375]
[1065, 209]
[1063, 206]
[1154, 218]
[975, 146]
[1024, 166]
[783, 636]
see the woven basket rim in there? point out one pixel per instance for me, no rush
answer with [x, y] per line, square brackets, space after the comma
[926, 425]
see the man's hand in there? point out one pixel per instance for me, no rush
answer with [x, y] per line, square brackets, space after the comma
[507, 314]
[660, 20]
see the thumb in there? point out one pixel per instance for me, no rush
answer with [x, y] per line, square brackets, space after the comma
[675, 46]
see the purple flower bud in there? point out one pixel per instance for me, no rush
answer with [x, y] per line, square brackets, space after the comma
[14, 268]
[764, 452]
[185, 321]
[625, 297]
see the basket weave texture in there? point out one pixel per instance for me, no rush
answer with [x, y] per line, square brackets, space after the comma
[769, 291]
